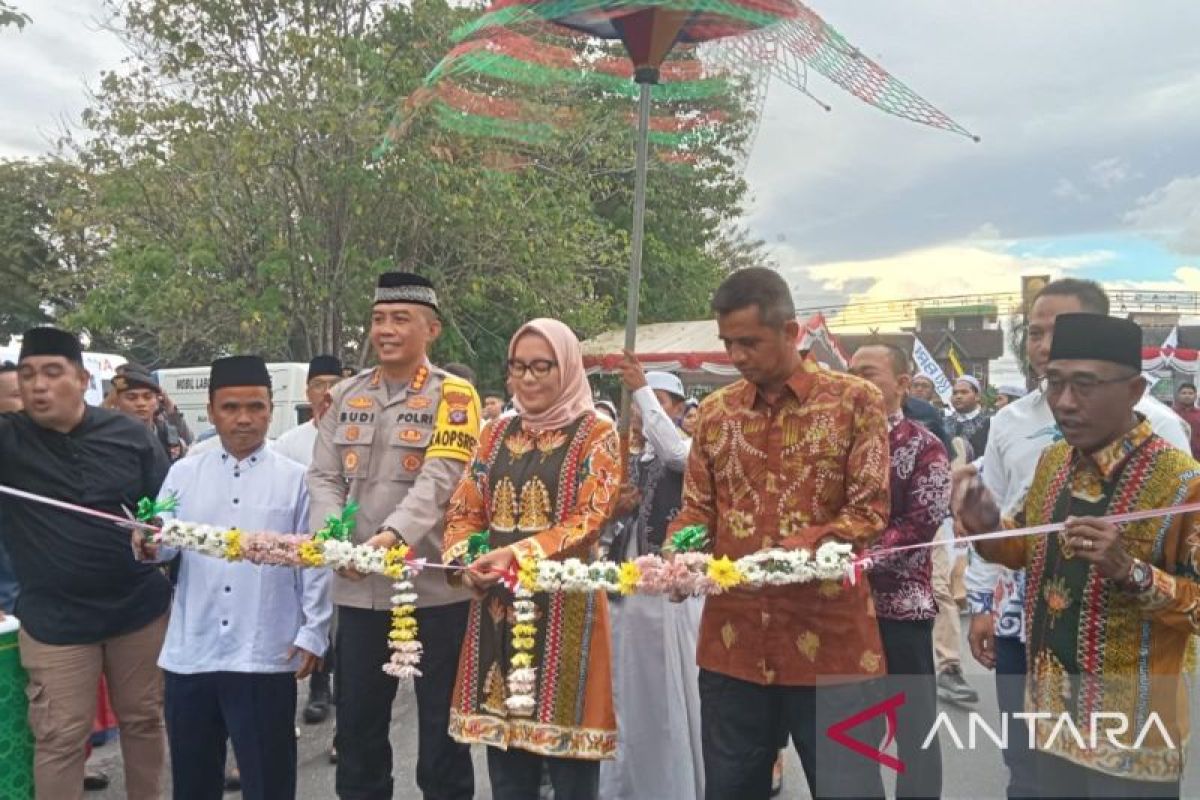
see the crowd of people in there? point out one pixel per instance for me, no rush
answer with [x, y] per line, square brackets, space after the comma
[640, 696]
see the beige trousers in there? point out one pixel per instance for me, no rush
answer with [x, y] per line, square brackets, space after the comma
[62, 705]
[948, 589]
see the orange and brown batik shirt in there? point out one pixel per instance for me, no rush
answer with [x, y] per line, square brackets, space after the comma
[812, 465]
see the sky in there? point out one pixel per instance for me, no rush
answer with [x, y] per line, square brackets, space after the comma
[1088, 113]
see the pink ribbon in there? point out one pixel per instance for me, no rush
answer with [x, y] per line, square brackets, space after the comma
[868, 560]
[123, 522]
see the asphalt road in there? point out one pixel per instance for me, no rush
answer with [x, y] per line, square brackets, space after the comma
[966, 776]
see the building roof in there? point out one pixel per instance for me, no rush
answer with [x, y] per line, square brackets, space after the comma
[973, 345]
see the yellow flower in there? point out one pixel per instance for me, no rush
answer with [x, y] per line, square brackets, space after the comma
[724, 573]
[311, 554]
[393, 561]
[402, 636]
[404, 623]
[628, 577]
[520, 660]
[524, 629]
[233, 545]
[527, 574]
[522, 643]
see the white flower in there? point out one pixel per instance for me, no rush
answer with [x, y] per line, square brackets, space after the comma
[549, 576]
[520, 705]
[575, 575]
[524, 676]
[755, 576]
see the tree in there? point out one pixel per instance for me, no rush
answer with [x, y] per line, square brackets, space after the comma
[44, 247]
[12, 16]
[230, 160]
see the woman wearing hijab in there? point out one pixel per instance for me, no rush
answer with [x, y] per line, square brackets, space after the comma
[542, 483]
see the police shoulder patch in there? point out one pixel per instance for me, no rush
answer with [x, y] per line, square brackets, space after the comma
[456, 430]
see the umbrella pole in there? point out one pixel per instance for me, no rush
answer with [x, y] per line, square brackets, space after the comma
[635, 247]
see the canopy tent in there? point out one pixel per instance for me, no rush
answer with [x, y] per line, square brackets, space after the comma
[694, 351]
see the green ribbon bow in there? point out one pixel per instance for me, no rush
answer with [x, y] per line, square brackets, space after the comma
[148, 510]
[478, 544]
[339, 526]
[691, 539]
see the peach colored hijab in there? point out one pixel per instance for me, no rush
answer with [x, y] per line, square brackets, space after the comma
[574, 394]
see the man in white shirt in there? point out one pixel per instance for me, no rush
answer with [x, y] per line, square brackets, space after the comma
[240, 635]
[324, 372]
[656, 689]
[1019, 434]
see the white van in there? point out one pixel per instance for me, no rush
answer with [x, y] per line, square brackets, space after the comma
[101, 366]
[188, 387]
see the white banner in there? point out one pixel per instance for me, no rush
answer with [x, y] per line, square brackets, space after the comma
[927, 366]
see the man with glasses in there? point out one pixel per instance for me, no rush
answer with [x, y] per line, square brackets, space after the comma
[395, 441]
[1112, 608]
[1019, 434]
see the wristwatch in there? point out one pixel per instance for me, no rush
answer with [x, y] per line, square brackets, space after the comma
[393, 532]
[1140, 577]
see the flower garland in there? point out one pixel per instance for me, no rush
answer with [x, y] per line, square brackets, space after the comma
[522, 678]
[694, 574]
[402, 638]
[684, 572]
[279, 549]
[329, 548]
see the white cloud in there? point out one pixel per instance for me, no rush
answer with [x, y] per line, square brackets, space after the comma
[1109, 173]
[1069, 140]
[1066, 189]
[1173, 212]
[966, 269]
[56, 56]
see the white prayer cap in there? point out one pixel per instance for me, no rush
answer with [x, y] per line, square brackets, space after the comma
[666, 382]
[971, 381]
[1011, 390]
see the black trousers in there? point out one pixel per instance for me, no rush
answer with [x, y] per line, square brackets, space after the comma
[517, 775]
[256, 711]
[741, 724]
[365, 694]
[1010, 697]
[908, 647]
[1059, 779]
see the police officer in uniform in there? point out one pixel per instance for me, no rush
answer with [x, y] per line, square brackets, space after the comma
[396, 440]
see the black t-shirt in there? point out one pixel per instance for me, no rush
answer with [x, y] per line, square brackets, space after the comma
[79, 580]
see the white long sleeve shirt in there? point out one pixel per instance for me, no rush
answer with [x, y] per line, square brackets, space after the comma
[663, 435]
[1019, 434]
[298, 443]
[240, 617]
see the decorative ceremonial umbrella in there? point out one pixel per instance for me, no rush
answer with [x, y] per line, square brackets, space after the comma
[783, 38]
[649, 30]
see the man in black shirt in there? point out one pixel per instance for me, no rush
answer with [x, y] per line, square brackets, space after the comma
[86, 606]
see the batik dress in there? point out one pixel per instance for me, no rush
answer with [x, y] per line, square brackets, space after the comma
[546, 494]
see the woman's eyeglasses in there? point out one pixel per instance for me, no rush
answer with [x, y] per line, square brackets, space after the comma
[540, 368]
